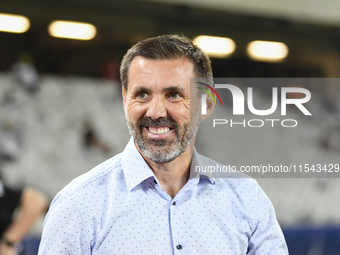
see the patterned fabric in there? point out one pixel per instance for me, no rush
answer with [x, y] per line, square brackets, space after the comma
[119, 208]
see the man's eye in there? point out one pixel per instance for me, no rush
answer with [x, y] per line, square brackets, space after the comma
[142, 95]
[174, 95]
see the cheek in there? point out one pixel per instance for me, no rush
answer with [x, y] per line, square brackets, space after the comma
[134, 112]
[180, 113]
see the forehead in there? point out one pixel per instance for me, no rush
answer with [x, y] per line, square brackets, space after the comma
[170, 72]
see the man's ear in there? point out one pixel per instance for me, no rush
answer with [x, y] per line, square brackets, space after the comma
[124, 95]
[210, 108]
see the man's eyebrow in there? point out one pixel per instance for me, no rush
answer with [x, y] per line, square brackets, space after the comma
[141, 89]
[174, 88]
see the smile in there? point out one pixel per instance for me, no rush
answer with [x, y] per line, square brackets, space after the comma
[158, 130]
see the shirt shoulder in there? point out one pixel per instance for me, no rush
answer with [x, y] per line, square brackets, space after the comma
[225, 175]
[241, 189]
[110, 168]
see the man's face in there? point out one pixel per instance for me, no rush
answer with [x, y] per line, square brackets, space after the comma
[157, 107]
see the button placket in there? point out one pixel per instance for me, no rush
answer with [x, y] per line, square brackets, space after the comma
[175, 224]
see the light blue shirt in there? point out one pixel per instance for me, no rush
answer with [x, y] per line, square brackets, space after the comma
[119, 208]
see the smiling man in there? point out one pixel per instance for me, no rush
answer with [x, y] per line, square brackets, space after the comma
[149, 199]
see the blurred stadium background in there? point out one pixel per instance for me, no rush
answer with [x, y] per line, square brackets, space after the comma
[74, 118]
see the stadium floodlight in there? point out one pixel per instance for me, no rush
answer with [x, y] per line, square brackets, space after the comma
[267, 51]
[219, 47]
[13, 23]
[72, 30]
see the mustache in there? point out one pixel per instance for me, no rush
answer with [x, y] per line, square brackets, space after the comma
[160, 122]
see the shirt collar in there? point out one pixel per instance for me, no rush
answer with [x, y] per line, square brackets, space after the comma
[199, 160]
[136, 170]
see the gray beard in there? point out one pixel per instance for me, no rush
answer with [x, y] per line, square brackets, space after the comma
[161, 150]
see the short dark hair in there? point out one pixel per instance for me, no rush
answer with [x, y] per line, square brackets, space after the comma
[167, 47]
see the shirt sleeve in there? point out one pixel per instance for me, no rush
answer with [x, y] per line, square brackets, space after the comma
[267, 238]
[64, 230]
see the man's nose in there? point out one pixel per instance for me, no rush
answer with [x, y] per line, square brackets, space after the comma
[156, 109]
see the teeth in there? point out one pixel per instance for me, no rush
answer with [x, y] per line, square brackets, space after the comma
[158, 131]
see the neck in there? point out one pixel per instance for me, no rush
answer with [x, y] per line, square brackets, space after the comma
[175, 174]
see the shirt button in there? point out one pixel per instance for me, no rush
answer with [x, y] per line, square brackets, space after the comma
[174, 203]
[179, 247]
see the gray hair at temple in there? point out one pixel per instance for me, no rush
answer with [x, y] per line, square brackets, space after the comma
[167, 47]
